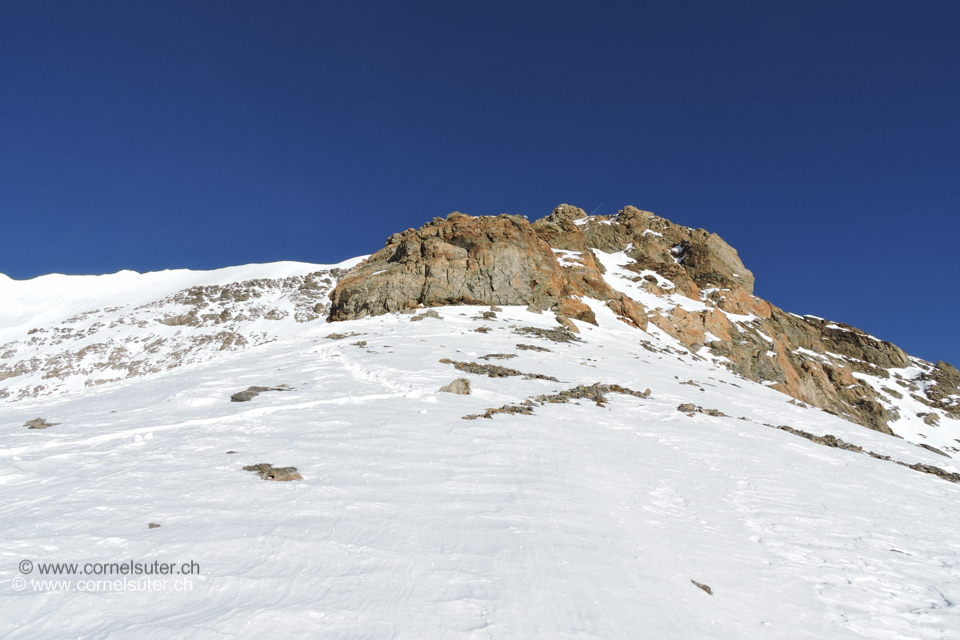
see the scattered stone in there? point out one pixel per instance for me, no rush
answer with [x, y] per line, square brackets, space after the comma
[39, 423]
[269, 472]
[489, 315]
[231, 451]
[460, 386]
[561, 334]
[483, 329]
[361, 343]
[532, 347]
[689, 408]
[152, 525]
[494, 371]
[495, 308]
[507, 408]
[593, 392]
[703, 586]
[252, 392]
[831, 441]
[341, 336]
[429, 313]
[498, 356]
[827, 440]
[929, 468]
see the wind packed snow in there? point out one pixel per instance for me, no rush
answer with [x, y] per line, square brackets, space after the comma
[578, 521]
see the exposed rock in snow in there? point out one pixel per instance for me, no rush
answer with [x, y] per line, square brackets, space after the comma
[252, 392]
[429, 313]
[125, 333]
[39, 423]
[688, 283]
[269, 472]
[460, 387]
[705, 587]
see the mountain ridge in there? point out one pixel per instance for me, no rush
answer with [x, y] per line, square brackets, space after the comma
[654, 275]
[506, 260]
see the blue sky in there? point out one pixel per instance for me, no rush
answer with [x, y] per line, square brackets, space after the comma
[820, 139]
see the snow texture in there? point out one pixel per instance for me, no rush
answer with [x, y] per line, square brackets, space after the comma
[580, 520]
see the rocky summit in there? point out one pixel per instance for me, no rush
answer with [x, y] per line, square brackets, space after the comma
[687, 283]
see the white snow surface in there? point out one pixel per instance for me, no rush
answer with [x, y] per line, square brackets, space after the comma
[579, 521]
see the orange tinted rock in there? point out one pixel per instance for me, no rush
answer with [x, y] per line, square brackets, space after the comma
[633, 313]
[576, 309]
[740, 302]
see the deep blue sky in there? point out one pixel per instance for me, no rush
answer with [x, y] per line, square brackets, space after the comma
[820, 139]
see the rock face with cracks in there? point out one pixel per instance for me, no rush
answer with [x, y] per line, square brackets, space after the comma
[553, 264]
[460, 260]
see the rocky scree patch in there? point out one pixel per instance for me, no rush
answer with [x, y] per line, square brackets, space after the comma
[494, 371]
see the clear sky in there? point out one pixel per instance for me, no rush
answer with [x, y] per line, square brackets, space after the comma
[821, 139]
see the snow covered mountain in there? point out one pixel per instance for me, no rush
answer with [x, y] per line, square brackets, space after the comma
[627, 463]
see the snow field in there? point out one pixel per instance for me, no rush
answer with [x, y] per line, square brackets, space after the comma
[578, 521]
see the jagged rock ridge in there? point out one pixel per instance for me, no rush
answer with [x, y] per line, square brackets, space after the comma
[687, 283]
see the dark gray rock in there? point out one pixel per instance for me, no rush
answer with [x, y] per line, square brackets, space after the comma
[934, 450]
[703, 586]
[252, 392]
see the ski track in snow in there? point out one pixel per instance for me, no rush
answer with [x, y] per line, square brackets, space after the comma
[578, 521]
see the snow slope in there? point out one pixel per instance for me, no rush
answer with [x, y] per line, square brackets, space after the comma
[577, 521]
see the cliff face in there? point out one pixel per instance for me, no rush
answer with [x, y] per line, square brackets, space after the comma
[687, 283]
[460, 260]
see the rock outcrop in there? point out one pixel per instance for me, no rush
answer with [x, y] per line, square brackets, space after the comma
[460, 260]
[553, 264]
[500, 260]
